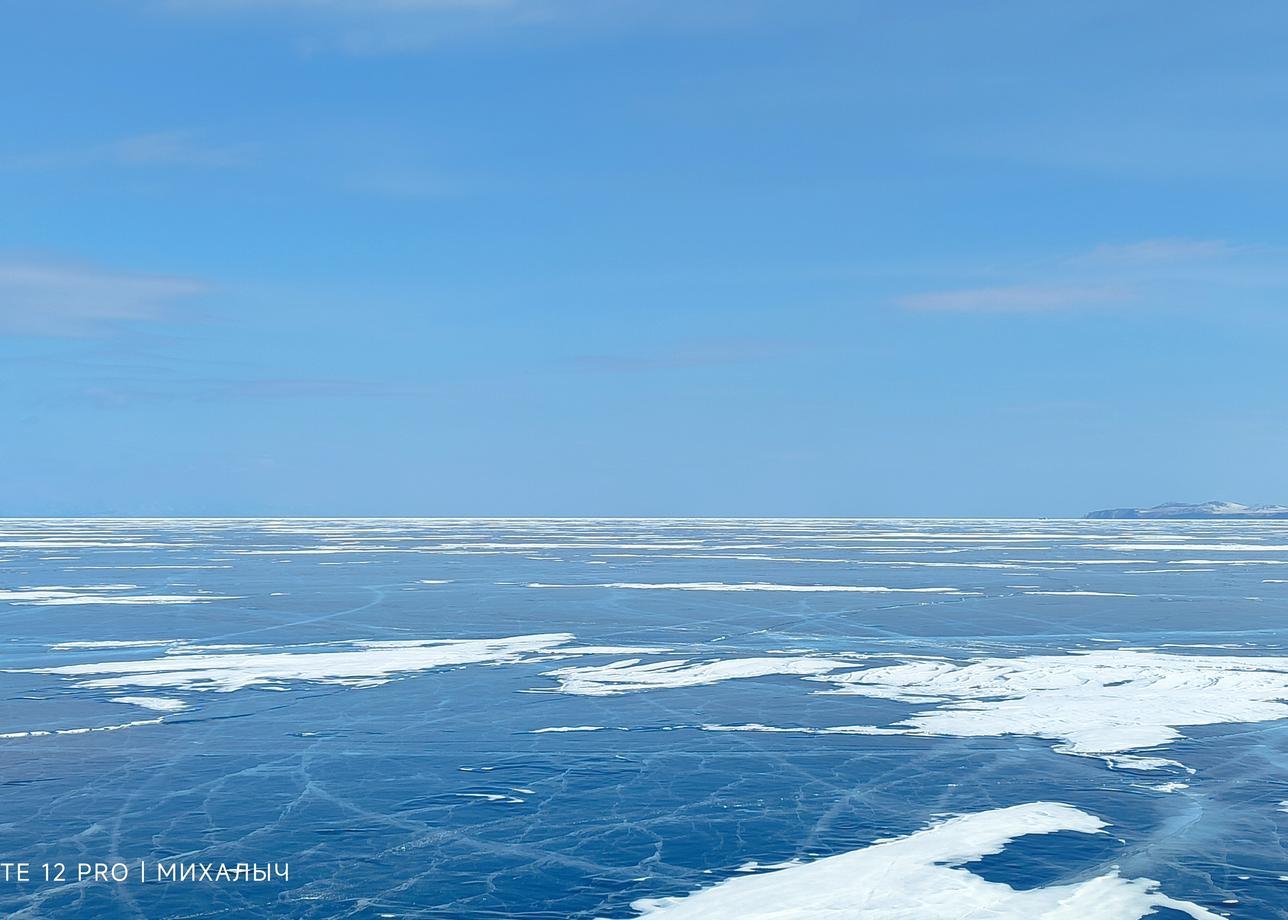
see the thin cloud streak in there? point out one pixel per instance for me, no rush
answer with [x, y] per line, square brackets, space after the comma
[1159, 273]
[58, 299]
[154, 149]
[377, 27]
[1159, 251]
[1014, 299]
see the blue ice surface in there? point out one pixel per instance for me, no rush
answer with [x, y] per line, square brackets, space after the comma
[428, 793]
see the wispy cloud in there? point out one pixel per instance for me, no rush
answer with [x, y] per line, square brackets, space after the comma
[392, 26]
[123, 389]
[58, 299]
[1159, 273]
[1014, 299]
[160, 148]
[1159, 251]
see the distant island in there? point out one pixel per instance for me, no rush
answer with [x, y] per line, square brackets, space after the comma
[1196, 511]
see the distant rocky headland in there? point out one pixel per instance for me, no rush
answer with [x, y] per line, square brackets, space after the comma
[1196, 511]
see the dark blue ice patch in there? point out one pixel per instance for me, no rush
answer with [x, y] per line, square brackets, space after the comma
[1039, 860]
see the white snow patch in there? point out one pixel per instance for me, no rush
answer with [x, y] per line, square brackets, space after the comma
[754, 586]
[64, 597]
[45, 733]
[567, 728]
[366, 663]
[1078, 594]
[1169, 787]
[111, 643]
[1101, 703]
[630, 675]
[920, 877]
[155, 703]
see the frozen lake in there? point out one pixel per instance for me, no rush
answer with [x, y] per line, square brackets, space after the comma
[671, 718]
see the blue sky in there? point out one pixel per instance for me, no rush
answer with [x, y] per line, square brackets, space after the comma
[447, 257]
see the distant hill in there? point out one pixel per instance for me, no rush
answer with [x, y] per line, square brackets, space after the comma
[1200, 511]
